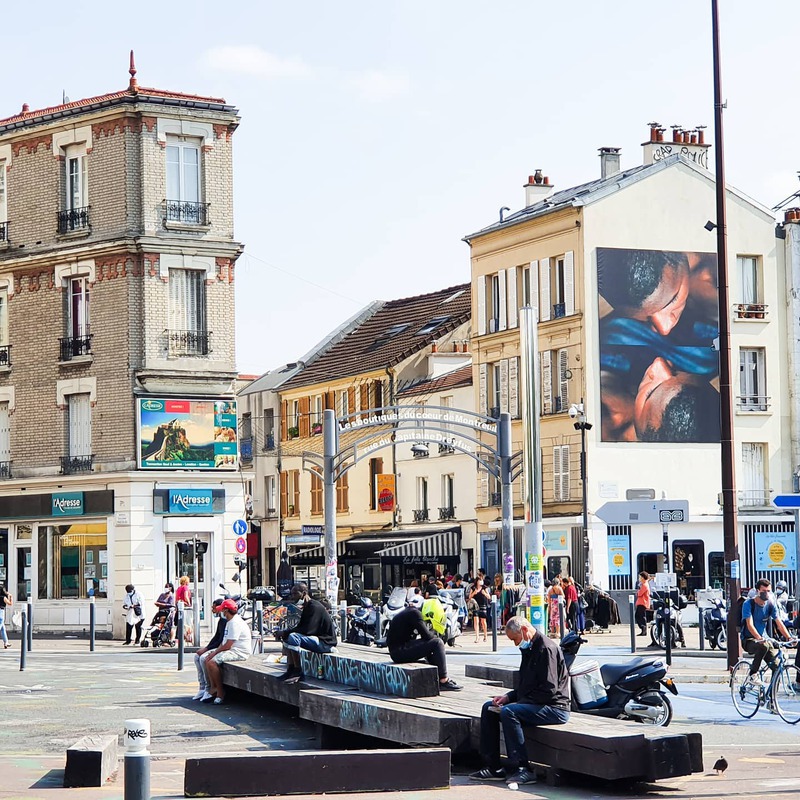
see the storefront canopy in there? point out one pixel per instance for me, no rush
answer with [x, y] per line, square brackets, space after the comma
[445, 544]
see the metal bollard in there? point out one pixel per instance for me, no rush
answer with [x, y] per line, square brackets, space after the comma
[259, 619]
[23, 650]
[91, 624]
[343, 620]
[378, 620]
[561, 620]
[137, 759]
[494, 624]
[632, 612]
[29, 638]
[701, 626]
[668, 630]
[179, 622]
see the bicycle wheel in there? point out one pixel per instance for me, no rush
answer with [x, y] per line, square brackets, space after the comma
[786, 693]
[746, 696]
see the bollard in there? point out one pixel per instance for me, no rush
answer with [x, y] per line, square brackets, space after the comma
[30, 626]
[632, 612]
[701, 626]
[179, 620]
[561, 620]
[137, 759]
[22, 649]
[91, 623]
[668, 630]
[259, 619]
[377, 622]
[343, 620]
[494, 624]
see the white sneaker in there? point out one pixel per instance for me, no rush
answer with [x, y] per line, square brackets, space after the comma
[199, 695]
[206, 697]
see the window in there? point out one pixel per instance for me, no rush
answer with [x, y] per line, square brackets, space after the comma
[494, 319]
[344, 404]
[496, 390]
[76, 180]
[316, 420]
[3, 204]
[750, 290]
[79, 412]
[557, 286]
[316, 494]
[271, 506]
[421, 511]
[5, 442]
[294, 420]
[342, 495]
[432, 325]
[247, 426]
[187, 312]
[447, 509]
[375, 469]
[752, 379]
[290, 493]
[71, 560]
[555, 381]
[447, 404]
[183, 202]
[525, 288]
[78, 307]
[753, 492]
[3, 323]
[561, 473]
[269, 429]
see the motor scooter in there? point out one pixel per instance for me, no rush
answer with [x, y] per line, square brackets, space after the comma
[715, 624]
[631, 690]
[658, 628]
[362, 622]
[395, 603]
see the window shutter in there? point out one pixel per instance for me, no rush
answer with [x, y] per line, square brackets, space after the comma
[351, 399]
[504, 385]
[563, 383]
[80, 425]
[511, 283]
[533, 287]
[284, 419]
[481, 301]
[5, 433]
[546, 308]
[557, 473]
[304, 429]
[569, 283]
[483, 380]
[565, 472]
[501, 288]
[330, 402]
[364, 397]
[545, 360]
[284, 494]
[513, 387]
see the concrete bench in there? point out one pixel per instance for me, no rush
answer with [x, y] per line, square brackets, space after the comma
[91, 761]
[317, 772]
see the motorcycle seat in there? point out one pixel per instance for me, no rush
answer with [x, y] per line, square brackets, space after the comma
[611, 673]
[395, 606]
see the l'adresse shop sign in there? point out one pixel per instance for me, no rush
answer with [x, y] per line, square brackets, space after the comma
[67, 504]
[190, 501]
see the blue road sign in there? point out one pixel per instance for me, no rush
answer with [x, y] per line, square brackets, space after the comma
[240, 527]
[786, 501]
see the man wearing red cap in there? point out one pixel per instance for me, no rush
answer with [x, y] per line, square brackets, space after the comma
[236, 646]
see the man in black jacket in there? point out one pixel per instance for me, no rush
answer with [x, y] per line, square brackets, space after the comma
[541, 698]
[314, 632]
[201, 654]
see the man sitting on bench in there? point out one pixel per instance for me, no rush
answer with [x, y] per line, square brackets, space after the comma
[409, 639]
[314, 632]
[541, 698]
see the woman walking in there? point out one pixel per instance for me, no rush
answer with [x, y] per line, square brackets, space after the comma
[642, 603]
[553, 603]
[480, 595]
[6, 601]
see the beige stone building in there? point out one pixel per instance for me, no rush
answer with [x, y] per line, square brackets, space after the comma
[117, 420]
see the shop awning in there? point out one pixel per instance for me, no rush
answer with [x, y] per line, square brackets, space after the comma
[445, 544]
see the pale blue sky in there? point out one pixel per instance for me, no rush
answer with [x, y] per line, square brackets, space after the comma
[376, 134]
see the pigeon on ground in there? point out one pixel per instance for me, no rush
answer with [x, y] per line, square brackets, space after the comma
[720, 766]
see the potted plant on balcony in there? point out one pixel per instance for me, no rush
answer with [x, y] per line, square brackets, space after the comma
[758, 310]
[293, 432]
[316, 428]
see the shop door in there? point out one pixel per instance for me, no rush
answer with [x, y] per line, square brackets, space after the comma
[24, 574]
[182, 563]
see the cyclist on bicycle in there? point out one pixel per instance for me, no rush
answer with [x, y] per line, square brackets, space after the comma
[755, 613]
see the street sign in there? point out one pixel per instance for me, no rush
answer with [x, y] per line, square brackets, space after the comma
[786, 501]
[643, 512]
[240, 527]
[312, 530]
[241, 544]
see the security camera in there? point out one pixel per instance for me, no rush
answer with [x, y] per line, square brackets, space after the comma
[573, 411]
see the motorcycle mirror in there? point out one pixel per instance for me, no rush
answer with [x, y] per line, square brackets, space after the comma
[222, 586]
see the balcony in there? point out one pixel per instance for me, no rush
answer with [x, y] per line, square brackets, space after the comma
[73, 220]
[494, 498]
[188, 343]
[72, 347]
[448, 512]
[750, 310]
[246, 450]
[5, 470]
[72, 464]
[754, 498]
[421, 515]
[269, 441]
[185, 212]
[753, 403]
[4, 236]
[5, 356]
[559, 310]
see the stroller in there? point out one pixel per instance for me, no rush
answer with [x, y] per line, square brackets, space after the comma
[160, 630]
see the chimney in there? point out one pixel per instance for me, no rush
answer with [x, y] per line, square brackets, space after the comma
[609, 161]
[691, 144]
[537, 188]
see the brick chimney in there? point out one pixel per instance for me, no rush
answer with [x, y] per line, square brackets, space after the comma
[691, 144]
[609, 161]
[537, 188]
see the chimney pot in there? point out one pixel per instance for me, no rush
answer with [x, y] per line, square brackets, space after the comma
[609, 161]
[25, 108]
[537, 188]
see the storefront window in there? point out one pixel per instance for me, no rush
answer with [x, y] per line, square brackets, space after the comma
[72, 559]
[4, 557]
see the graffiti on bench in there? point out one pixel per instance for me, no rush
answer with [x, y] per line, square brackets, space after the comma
[370, 676]
[355, 716]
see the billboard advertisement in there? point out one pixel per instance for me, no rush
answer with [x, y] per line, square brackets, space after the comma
[776, 550]
[186, 434]
[659, 366]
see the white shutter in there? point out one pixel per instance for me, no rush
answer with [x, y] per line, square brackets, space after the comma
[481, 305]
[546, 308]
[563, 385]
[511, 283]
[547, 382]
[569, 283]
[557, 473]
[513, 387]
[3, 217]
[504, 385]
[533, 288]
[754, 487]
[5, 433]
[483, 380]
[501, 288]
[80, 425]
[565, 472]
[483, 491]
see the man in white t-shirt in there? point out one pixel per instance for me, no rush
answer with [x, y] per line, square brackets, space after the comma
[236, 646]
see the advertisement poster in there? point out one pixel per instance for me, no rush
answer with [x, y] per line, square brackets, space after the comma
[619, 556]
[384, 489]
[196, 434]
[775, 550]
[659, 369]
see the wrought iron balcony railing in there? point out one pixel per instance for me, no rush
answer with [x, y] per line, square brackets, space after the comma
[188, 343]
[5, 355]
[4, 237]
[559, 310]
[186, 212]
[73, 219]
[445, 448]
[75, 346]
[494, 498]
[447, 512]
[421, 515]
[753, 402]
[5, 469]
[269, 441]
[73, 464]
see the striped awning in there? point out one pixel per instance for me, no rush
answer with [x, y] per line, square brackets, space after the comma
[446, 544]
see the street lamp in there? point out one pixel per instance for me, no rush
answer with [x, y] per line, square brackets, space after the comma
[578, 415]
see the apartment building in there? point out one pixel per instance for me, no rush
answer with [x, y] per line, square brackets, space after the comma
[580, 256]
[118, 427]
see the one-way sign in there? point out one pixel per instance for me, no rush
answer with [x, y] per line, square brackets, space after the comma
[786, 501]
[644, 512]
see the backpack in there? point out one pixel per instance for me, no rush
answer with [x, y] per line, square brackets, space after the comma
[739, 608]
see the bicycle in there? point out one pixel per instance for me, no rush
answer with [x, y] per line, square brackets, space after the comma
[780, 693]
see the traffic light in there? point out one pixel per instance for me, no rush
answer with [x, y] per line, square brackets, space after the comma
[202, 548]
[185, 548]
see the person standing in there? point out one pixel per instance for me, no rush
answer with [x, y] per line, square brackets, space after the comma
[6, 601]
[235, 647]
[480, 595]
[184, 592]
[554, 593]
[571, 600]
[643, 603]
[135, 616]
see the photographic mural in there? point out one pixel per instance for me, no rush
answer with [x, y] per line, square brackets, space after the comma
[659, 367]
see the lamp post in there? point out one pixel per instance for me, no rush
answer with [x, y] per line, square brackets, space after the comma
[578, 415]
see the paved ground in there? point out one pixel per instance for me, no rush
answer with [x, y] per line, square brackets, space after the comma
[67, 692]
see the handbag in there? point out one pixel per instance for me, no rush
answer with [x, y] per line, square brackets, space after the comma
[137, 609]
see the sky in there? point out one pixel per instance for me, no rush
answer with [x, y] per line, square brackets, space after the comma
[375, 135]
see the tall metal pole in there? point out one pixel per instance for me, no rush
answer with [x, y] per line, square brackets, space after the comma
[587, 567]
[506, 497]
[730, 531]
[196, 598]
[531, 454]
[330, 445]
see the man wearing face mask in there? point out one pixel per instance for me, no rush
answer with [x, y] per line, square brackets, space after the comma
[314, 632]
[541, 698]
[755, 613]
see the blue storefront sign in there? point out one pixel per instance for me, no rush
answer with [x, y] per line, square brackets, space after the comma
[619, 554]
[67, 504]
[190, 501]
[775, 550]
